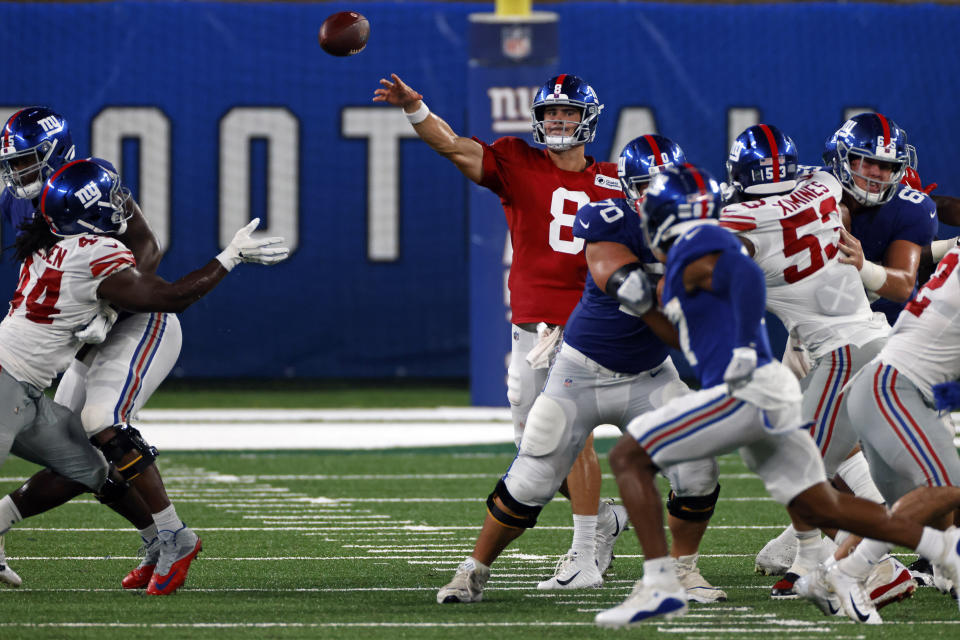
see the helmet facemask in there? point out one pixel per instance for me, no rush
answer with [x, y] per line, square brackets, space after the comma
[24, 172]
[876, 191]
[582, 133]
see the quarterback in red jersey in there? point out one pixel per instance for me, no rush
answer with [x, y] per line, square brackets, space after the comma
[541, 190]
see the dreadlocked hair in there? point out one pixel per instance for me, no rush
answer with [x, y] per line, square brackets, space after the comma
[34, 235]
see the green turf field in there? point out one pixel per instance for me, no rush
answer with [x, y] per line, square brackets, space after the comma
[355, 545]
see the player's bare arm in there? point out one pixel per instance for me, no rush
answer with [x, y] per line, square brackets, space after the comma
[134, 290]
[465, 153]
[900, 262]
[140, 240]
[948, 209]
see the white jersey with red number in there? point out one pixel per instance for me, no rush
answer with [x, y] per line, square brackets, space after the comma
[541, 203]
[818, 299]
[57, 295]
[925, 342]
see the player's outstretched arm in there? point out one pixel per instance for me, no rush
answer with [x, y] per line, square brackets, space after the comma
[465, 153]
[134, 290]
[140, 240]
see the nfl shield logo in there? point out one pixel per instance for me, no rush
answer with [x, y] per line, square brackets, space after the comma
[567, 382]
[516, 42]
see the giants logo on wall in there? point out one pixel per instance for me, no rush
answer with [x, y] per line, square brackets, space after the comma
[510, 108]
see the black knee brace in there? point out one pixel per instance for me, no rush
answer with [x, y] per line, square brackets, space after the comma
[112, 491]
[693, 508]
[526, 516]
[126, 440]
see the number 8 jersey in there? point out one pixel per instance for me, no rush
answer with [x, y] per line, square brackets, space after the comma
[795, 237]
[56, 295]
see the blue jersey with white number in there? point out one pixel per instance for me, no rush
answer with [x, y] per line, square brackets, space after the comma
[910, 215]
[597, 327]
[705, 320]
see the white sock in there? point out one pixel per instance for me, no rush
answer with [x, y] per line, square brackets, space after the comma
[167, 520]
[149, 533]
[856, 473]
[931, 544]
[864, 558]
[9, 514]
[788, 534]
[661, 572]
[808, 551]
[584, 536]
[472, 563]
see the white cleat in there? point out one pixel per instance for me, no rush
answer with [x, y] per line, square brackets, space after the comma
[946, 572]
[853, 598]
[813, 587]
[467, 584]
[889, 582]
[607, 534]
[8, 576]
[777, 555]
[642, 604]
[697, 587]
[573, 572]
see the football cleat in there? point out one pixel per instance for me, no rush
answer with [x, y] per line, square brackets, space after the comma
[889, 582]
[697, 587]
[8, 576]
[467, 584]
[573, 572]
[922, 572]
[785, 588]
[814, 587]
[947, 571]
[777, 555]
[177, 551]
[607, 534]
[853, 598]
[644, 602]
[139, 577]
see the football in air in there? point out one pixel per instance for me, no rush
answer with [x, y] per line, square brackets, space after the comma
[344, 33]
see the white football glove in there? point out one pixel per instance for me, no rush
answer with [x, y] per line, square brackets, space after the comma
[243, 248]
[635, 293]
[740, 370]
[95, 331]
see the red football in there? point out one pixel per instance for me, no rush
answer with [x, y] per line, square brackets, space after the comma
[344, 33]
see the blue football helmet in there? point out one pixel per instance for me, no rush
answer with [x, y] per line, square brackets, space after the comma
[763, 160]
[565, 89]
[36, 142]
[877, 138]
[676, 199]
[641, 159]
[85, 196]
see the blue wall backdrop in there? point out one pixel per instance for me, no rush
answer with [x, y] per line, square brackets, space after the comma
[217, 112]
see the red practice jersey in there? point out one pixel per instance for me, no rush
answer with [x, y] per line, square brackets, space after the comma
[541, 203]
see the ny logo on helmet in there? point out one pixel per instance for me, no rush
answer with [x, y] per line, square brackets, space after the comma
[89, 195]
[50, 124]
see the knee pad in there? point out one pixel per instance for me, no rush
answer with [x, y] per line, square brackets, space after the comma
[112, 491]
[125, 441]
[545, 427]
[693, 508]
[526, 516]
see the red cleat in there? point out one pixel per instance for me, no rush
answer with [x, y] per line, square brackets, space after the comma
[139, 577]
[176, 558]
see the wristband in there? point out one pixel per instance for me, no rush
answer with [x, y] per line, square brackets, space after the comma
[939, 248]
[873, 275]
[419, 115]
